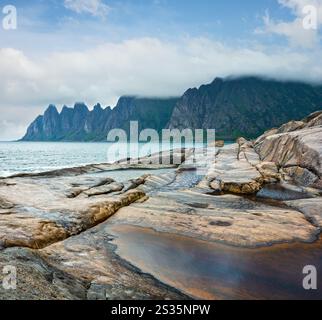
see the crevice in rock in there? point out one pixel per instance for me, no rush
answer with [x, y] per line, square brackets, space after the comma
[51, 232]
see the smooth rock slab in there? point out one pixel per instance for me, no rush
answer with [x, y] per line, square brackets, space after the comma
[41, 214]
[26, 231]
[229, 219]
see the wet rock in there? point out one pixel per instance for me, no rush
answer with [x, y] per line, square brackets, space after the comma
[90, 258]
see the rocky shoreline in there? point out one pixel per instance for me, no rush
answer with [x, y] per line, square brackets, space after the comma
[56, 227]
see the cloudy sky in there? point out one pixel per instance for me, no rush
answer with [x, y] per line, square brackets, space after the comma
[65, 51]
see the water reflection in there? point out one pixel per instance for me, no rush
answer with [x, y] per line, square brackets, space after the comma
[215, 271]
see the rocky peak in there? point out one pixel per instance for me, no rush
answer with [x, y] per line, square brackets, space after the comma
[51, 111]
[98, 108]
[80, 107]
[65, 109]
[51, 122]
[125, 103]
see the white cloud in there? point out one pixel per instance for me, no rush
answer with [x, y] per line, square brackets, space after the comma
[143, 66]
[295, 30]
[11, 130]
[93, 7]
[13, 121]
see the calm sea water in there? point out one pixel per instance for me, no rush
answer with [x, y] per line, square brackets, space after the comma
[22, 157]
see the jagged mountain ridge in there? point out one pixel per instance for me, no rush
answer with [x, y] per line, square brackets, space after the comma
[81, 124]
[244, 106]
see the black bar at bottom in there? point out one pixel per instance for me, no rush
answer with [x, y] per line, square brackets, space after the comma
[157, 309]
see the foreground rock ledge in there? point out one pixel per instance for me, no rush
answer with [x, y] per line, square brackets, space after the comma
[65, 217]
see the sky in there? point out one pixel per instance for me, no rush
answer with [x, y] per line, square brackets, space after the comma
[67, 51]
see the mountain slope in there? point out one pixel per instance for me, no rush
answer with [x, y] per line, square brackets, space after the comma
[245, 106]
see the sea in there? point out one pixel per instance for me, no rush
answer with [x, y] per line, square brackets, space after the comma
[33, 157]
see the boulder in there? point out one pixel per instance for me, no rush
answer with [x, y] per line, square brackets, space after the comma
[296, 150]
[232, 172]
